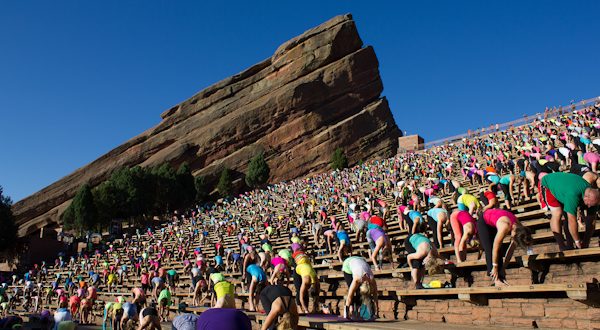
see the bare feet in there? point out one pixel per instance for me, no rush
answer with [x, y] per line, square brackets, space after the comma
[500, 283]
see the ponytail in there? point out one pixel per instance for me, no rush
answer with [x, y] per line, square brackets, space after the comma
[287, 322]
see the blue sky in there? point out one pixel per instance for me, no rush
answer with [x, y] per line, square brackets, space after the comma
[78, 78]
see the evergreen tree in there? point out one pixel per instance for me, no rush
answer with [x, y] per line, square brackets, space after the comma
[109, 201]
[202, 190]
[166, 192]
[133, 186]
[8, 234]
[68, 218]
[339, 160]
[141, 201]
[258, 171]
[225, 185]
[85, 214]
[128, 193]
[187, 186]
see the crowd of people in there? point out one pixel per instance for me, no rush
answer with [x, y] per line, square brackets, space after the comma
[269, 242]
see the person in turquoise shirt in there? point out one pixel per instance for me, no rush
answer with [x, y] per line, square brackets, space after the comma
[422, 255]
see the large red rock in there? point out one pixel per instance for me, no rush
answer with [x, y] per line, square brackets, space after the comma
[319, 91]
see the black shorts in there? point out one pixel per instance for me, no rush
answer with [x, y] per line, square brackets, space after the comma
[195, 281]
[348, 278]
[260, 286]
[506, 190]
[149, 311]
[297, 284]
[450, 186]
[418, 264]
[579, 169]
[142, 300]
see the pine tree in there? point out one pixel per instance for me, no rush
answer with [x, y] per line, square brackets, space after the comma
[258, 171]
[166, 192]
[85, 213]
[202, 190]
[187, 185]
[8, 234]
[339, 160]
[225, 185]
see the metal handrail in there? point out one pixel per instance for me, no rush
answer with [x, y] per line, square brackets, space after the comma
[518, 122]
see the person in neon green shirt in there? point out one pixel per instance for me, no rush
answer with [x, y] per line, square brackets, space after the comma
[164, 301]
[468, 202]
[224, 293]
[285, 254]
[116, 314]
[359, 277]
[267, 248]
[269, 230]
[216, 278]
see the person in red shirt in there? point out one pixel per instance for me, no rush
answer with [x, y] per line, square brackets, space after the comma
[489, 199]
[74, 303]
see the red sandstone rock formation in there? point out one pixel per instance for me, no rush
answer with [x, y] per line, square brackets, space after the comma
[319, 91]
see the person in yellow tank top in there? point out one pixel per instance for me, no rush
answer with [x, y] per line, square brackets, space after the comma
[224, 295]
[310, 283]
[468, 202]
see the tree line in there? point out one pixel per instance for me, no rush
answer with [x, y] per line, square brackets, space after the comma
[138, 193]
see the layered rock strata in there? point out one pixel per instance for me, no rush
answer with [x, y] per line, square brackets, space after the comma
[319, 91]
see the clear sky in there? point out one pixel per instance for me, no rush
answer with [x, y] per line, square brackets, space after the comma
[78, 78]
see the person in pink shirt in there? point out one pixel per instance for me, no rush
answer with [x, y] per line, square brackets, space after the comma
[464, 228]
[145, 280]
[280, 267]
[493, 226]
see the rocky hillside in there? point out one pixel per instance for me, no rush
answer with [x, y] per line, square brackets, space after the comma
[319, 91]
